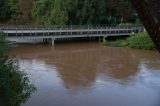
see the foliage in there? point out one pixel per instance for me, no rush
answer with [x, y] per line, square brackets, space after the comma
[73, 12]
[14, 84]
[7, 9]
[4, 47]
[123, 10]
[140, 41]
[15, 87]
[58, 12]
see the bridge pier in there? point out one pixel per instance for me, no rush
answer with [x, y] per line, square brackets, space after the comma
[48, 40]
[52, 41]
[45, 40]
[104, 39]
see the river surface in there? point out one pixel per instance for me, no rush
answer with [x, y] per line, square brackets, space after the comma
[90, 74]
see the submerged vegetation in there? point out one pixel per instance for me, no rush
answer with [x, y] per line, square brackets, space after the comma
[140, 41]
[15, 87]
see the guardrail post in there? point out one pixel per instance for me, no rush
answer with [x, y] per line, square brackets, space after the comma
[71, 30]
[67, 31]
[60, 31]
[35, 32]
[43, 32]
[88, 31]
[22, 31]
[81, 31]
[101, 31]
[48, 31]
[7, 31]
[30, 31]
[16, 32]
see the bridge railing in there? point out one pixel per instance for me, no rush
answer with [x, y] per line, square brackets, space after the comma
[72, 27]
[74, 30]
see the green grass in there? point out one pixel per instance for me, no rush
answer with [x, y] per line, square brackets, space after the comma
[140, 41]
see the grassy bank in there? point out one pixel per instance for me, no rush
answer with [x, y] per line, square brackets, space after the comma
[140, 41]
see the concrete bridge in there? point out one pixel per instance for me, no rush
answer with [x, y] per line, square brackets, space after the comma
[58, 32]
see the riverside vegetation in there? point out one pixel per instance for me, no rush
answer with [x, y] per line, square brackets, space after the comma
[15, 87]
[140, 40]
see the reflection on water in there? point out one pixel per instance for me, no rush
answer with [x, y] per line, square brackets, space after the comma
[89, 74]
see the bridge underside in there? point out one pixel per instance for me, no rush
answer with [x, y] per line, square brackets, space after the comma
[149, 13]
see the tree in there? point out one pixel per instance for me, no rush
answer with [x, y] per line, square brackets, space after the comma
[73, 12]
[5, 13]
[123, 10]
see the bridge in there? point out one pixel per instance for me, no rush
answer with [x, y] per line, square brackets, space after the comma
[58, 32]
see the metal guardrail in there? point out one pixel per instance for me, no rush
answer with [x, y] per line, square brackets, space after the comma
[75, 27]
[74, 30]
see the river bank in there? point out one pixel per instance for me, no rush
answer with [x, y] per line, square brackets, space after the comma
[140, 41]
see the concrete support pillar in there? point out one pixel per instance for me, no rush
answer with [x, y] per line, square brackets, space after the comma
[44, 40]
[99, 39]
[104, 39]
[52, 41]
[90, 39]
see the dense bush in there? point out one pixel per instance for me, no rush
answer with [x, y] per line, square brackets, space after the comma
[140, 40]
[15, 87]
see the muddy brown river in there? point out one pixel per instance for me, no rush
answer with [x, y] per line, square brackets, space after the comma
[90, 74]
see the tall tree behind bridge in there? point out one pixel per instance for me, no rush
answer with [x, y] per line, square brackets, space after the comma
[123, 10]
[60, 12]
[24, 11]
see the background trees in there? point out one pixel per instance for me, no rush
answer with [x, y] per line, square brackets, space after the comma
[8, 9]
[60, 12]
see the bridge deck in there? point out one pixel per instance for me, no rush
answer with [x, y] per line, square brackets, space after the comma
[69, 32]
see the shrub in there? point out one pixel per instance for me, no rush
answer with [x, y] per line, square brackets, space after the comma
[140, 41]
[15, 87]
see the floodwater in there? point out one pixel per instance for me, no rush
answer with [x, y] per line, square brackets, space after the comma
[90, 74]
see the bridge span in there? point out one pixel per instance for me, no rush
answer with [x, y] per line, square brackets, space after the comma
[58, 32]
